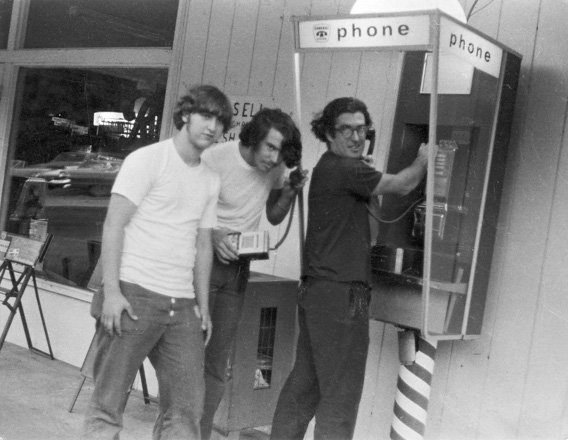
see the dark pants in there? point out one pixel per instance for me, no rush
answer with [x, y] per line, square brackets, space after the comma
[226, 298]
[170, 335]
[327, 378]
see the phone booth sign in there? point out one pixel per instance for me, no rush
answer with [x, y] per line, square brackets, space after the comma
[456, 88]
[368, 32]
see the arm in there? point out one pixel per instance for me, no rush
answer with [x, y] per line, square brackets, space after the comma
[406, 180]
[202, 276]
[120, 211]
[280, 200]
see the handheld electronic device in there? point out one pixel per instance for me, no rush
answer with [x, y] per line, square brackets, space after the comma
[253, 245]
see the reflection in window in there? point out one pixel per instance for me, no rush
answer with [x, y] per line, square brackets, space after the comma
[72, 130]
[265, 349]
[5, 14]
[101, 23]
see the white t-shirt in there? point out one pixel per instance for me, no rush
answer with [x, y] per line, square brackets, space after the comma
[244, 189]
[173, 201]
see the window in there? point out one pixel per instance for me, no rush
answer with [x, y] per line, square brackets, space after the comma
[265, 349]
[100, 23]
[72, 130]
[5, 14]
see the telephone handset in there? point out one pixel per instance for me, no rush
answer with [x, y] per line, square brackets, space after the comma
[297, 175]
[371, 134]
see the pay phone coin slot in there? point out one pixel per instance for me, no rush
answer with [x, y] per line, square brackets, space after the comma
[443, 169]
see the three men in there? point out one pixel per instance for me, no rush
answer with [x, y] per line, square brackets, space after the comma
[327, 378]
[158, 195]
[252, 180]
[157, 255]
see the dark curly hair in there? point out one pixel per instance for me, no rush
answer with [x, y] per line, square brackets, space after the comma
[324, 122]
[254, 131]
[204, 99]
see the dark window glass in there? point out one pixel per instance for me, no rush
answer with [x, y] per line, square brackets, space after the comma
[72, 130]
[101, 23]
[265, 349]
[5, 14]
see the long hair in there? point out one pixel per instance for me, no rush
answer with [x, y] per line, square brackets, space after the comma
[204, 99]
[254, 131]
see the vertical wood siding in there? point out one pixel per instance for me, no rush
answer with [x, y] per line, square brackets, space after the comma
[512, 382]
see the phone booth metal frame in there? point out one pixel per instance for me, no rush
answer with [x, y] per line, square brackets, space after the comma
[440, 308]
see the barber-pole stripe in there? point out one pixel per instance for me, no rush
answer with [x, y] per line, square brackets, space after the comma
[410, 407]
[413, 393]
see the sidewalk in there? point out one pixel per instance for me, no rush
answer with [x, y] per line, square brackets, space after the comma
[36, 392]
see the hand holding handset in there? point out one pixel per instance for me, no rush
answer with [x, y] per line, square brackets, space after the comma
[298, 177]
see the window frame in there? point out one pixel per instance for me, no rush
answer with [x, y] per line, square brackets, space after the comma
[15, 57]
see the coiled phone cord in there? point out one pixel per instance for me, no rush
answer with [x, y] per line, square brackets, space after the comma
[406, 211]
[277, 245]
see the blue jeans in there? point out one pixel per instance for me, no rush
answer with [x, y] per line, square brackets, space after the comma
[328, 374]
[170, 335]
[226, 298]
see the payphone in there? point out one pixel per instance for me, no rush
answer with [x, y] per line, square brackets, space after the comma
[431, 254]
[433, 276]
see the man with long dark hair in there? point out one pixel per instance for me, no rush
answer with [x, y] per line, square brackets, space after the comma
[252, 181]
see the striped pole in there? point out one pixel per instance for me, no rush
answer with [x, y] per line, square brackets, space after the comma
[413, 393]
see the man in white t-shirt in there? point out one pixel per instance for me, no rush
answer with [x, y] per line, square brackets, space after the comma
[157, 255]
[253, 179]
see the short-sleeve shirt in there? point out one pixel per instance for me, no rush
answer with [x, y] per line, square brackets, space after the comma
[244, 189]
[173, 200]
[338, 239]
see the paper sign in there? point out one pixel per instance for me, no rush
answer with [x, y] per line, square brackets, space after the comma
[244, 108]
[24, 250]
[4, 244]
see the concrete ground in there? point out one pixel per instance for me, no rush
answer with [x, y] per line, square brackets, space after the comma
[36, 393]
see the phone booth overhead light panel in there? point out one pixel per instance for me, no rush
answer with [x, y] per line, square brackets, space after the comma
[450, 7]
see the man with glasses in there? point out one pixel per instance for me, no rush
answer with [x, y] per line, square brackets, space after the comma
[333, 300]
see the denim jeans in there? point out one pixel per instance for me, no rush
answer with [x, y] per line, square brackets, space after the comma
[170, 335]
[328, 374]
[226, 298]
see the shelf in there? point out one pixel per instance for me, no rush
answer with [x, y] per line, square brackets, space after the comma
[408, 279]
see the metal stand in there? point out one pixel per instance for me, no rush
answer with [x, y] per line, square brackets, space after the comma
[87, 371]
[16, 292]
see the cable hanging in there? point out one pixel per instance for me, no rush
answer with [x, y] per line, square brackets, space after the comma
[277, 245]
[406, 211]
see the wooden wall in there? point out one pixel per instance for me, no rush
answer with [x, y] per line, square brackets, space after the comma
[511, 383]
[523, 385]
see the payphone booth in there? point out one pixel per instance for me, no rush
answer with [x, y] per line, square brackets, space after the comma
[454, 87]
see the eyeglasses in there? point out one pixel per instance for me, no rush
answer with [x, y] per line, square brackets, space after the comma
[347, 131]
